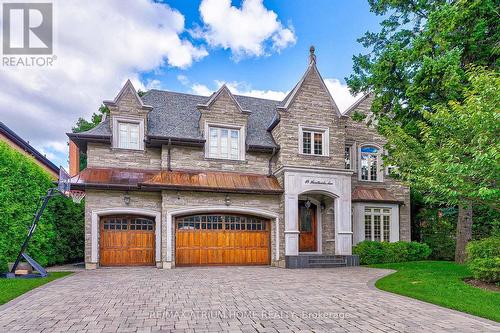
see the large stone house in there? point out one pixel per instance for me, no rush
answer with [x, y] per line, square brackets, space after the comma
[174, 179]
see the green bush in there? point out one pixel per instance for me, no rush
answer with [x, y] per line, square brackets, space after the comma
[484, 259]
[383, 252]
[59, 235]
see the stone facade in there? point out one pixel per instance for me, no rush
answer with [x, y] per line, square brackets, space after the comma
[104, 156]
[311, 107]
[322, 178]
[359, 133]
[194, 158]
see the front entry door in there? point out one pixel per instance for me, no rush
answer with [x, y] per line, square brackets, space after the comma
[307, 226]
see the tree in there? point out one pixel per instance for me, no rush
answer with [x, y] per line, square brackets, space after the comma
[83, 125]
[456, 158]
[417, 63]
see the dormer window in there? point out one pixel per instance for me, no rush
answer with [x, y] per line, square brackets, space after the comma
[313, 141]
[128, 133]
[370, 163]
[225, 143]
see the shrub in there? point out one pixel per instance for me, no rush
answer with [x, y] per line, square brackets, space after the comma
[383, 252]
[59, 235]
[484, 259]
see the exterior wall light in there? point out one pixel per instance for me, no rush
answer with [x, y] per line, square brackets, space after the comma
[227, 200]
[126, 199]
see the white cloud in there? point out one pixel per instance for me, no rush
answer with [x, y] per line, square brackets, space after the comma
[200, 89]
[339, 91]
[183, 79]
[98, 45]
[247, 31]
[243, 88]
[341, 94]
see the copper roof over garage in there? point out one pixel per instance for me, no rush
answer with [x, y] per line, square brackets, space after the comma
[155, 180]
[369, 194]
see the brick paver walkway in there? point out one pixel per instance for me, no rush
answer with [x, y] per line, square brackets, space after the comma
[232, 299]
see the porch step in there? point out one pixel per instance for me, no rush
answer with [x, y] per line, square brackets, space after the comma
[321, 261]
[326, 261]
[327, 265]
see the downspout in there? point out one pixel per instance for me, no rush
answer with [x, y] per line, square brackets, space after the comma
[270, 173]
[169, 146]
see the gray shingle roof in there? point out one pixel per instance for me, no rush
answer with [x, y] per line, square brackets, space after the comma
[175, 115]
[103, 129]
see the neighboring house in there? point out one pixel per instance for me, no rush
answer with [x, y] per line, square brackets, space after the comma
[15, 141]
[174, 179]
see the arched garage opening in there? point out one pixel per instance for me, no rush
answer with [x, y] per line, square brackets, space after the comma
[229, 245]
[127, 240]
[222, 239]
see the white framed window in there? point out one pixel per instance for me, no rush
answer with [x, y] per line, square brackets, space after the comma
[370, 163]
[377, 224]
[313, 141]
[225, 143]
[128, 133]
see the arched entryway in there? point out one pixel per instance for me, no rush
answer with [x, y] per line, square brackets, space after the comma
[316, 222]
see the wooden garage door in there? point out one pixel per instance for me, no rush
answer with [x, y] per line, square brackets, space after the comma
[221, 239]
[127, 240]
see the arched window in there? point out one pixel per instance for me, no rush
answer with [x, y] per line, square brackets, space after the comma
[370, 163]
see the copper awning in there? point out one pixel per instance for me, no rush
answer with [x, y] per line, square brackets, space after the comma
[370, 194]
[213, 181]
[156, 180]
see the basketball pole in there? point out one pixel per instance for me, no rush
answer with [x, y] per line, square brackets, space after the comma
[50, 193]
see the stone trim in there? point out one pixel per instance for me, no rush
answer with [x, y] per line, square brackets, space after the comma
[96, 214]
[223, 209]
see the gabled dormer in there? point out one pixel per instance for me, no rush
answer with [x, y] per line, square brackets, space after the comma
[223, 124]
[307, 125]
[128, 119]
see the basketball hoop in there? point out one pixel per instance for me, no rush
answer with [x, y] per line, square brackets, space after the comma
[64, 187]
[76, 196]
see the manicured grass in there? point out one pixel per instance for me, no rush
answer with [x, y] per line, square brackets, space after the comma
[441, 283]
[12, 288]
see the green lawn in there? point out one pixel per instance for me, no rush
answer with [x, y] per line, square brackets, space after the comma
[12, 288]
[440, 282]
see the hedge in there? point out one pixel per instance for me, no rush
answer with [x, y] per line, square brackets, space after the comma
[384, 252]
[59, 237]
[484, 259]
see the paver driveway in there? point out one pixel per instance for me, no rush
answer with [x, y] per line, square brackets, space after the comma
[234, 299]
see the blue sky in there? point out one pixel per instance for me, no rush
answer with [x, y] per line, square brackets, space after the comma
[258, 48]
[332, 26]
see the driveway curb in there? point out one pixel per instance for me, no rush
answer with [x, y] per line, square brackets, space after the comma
[371, 285]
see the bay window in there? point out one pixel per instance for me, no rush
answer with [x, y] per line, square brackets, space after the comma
[377, 224]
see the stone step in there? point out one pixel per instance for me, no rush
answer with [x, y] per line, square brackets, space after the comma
[326, 261]
[331, 265]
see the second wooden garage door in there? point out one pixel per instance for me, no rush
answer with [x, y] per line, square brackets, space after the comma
[222, 239]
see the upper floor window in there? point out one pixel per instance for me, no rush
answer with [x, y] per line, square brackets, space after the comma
[313, 141]
[348, 157]
[377, 224]
[128, 133]
[370, 163]
[224, 143]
